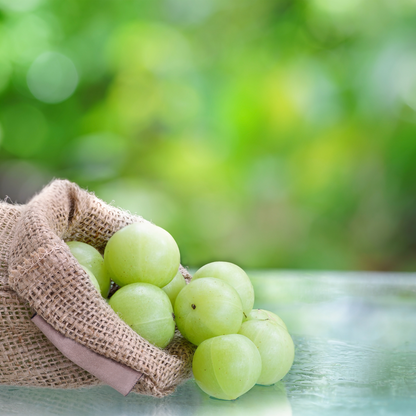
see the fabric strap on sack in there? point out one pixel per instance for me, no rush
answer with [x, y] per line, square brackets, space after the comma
[116, 375]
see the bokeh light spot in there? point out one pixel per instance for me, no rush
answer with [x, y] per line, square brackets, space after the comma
[52, 78]
[338, 6]
[29, 36]
[407, 80]
[189, 12]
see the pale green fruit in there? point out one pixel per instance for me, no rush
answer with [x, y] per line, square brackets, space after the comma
[147, 310]
[142, 253]
[206, 308]
[94, 281]
[90, 257]
[173, 288]
[263, 315]
[234, 276]
[275, 346]
[227, 366]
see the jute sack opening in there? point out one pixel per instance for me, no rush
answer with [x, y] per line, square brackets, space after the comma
[39, 274]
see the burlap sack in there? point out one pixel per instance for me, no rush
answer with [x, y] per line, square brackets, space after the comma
[39, 274]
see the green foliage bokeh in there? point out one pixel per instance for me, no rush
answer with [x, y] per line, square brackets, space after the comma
[273, 134]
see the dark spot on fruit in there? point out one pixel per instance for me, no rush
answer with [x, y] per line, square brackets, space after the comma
[193, 306]
[173, 316]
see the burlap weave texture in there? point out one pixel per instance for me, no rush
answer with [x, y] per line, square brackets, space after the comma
[38, 273]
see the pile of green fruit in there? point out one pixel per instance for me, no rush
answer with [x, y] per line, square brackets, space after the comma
[238, 346]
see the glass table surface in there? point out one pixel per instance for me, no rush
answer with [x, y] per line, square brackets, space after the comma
[355, 340]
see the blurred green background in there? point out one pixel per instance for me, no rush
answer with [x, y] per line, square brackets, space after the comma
[273, 134]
